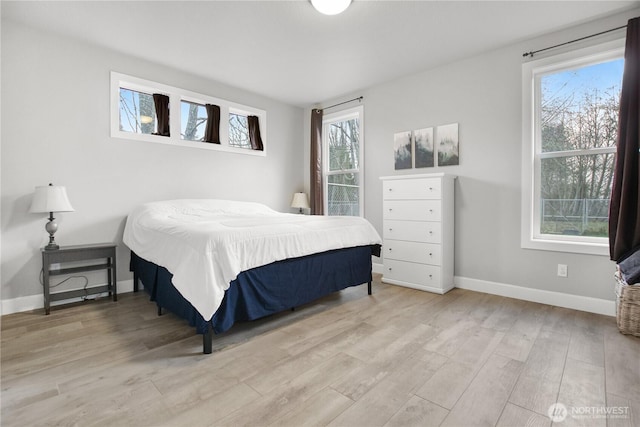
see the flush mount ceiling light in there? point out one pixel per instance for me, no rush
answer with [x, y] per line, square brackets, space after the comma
[331, 7]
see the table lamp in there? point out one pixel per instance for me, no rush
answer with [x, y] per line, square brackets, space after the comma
[51, 198]
[300, 201]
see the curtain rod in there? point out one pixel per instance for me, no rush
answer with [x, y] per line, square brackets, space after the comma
[360, 98]
[572, 41]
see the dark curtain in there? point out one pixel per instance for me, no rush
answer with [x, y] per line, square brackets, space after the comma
[254, 133]
[212, 128]
[624, 210]
[317, 198]
[162, 113]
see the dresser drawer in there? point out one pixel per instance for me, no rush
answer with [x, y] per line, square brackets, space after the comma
[409, 272]
[415, 210]
[424, 188]
[413, 231]
[424, 253]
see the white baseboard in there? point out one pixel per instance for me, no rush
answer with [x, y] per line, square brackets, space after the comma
[576, 302]
[33, 302]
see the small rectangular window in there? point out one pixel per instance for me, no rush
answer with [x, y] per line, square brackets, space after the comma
[143, 110]
[239, 131]
[137, 112]
[193, 120]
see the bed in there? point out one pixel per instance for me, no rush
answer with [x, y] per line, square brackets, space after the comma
[215, 262]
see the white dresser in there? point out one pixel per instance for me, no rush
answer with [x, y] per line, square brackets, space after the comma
[418, 231]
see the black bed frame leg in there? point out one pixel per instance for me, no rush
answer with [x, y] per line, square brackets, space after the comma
[135, 282]
[159, 310]
[369, 287]
[207, 340]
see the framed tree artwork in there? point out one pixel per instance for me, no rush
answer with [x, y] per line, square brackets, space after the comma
[424, 152]
[403, 156]
[448, 145]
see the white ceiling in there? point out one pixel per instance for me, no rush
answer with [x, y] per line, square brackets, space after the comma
[288, 51]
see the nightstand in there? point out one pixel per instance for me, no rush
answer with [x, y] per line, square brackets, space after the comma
[103, 254]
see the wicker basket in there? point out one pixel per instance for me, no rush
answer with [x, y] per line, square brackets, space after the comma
[628, 307]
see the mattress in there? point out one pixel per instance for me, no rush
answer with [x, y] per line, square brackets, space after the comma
[206, 243]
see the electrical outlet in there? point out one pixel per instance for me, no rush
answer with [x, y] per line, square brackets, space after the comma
[562, 270]
[55, 266]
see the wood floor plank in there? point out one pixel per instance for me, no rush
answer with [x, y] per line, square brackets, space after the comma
[383, 401]
[418, 412]
[289, 396]
[359, 381]
[448, 383]
[485, 398]
[516, 416]
[582, 388]
[538, 385]
[624, 412]
[318, 410]
[622, 364]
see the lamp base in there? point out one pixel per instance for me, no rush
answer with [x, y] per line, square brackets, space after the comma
[51, 247]
[51, 228]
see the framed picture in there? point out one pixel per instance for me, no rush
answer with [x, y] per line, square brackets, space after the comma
[424, 153]
[447, 145]
[403, 156]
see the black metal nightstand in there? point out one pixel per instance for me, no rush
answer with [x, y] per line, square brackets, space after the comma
[101, 252]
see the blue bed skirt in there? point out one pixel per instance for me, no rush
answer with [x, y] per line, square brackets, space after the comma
[262, 290]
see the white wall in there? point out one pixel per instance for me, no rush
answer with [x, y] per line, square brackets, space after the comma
[55, 128]
[483, 95]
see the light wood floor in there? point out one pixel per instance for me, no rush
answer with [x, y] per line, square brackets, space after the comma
[398, 358]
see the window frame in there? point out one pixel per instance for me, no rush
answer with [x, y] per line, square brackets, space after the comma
[532, 154]
[176, 96]
[327, 119]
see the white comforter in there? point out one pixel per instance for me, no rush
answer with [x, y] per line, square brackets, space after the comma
[205, 244]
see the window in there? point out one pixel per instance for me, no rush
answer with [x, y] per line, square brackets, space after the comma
[239, 131]
[137, 112]
[342, 138]
[193, 119]
[134, 117]
[570, 118]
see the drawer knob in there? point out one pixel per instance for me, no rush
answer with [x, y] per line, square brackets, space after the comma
[389, 249]
[430, 210]
[430, 232]
[430, 254]
[390, 209]
[391, 189]
[431, 276]
[430, 188]
[390, 269]
[391, 229]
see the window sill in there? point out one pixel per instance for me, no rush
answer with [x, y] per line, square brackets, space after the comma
[586, 248]
[169, 140]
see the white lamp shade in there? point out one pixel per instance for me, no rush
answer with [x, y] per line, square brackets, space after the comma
[331, 7]
[50, 198]
[300, 201]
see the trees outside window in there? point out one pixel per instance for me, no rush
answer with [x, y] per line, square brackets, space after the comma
[342, 148]
[570, 129]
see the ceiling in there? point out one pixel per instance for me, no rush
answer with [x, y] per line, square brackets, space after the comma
[287, 51]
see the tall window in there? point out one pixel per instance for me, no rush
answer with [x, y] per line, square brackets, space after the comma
[342, 138]
[574, 104]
